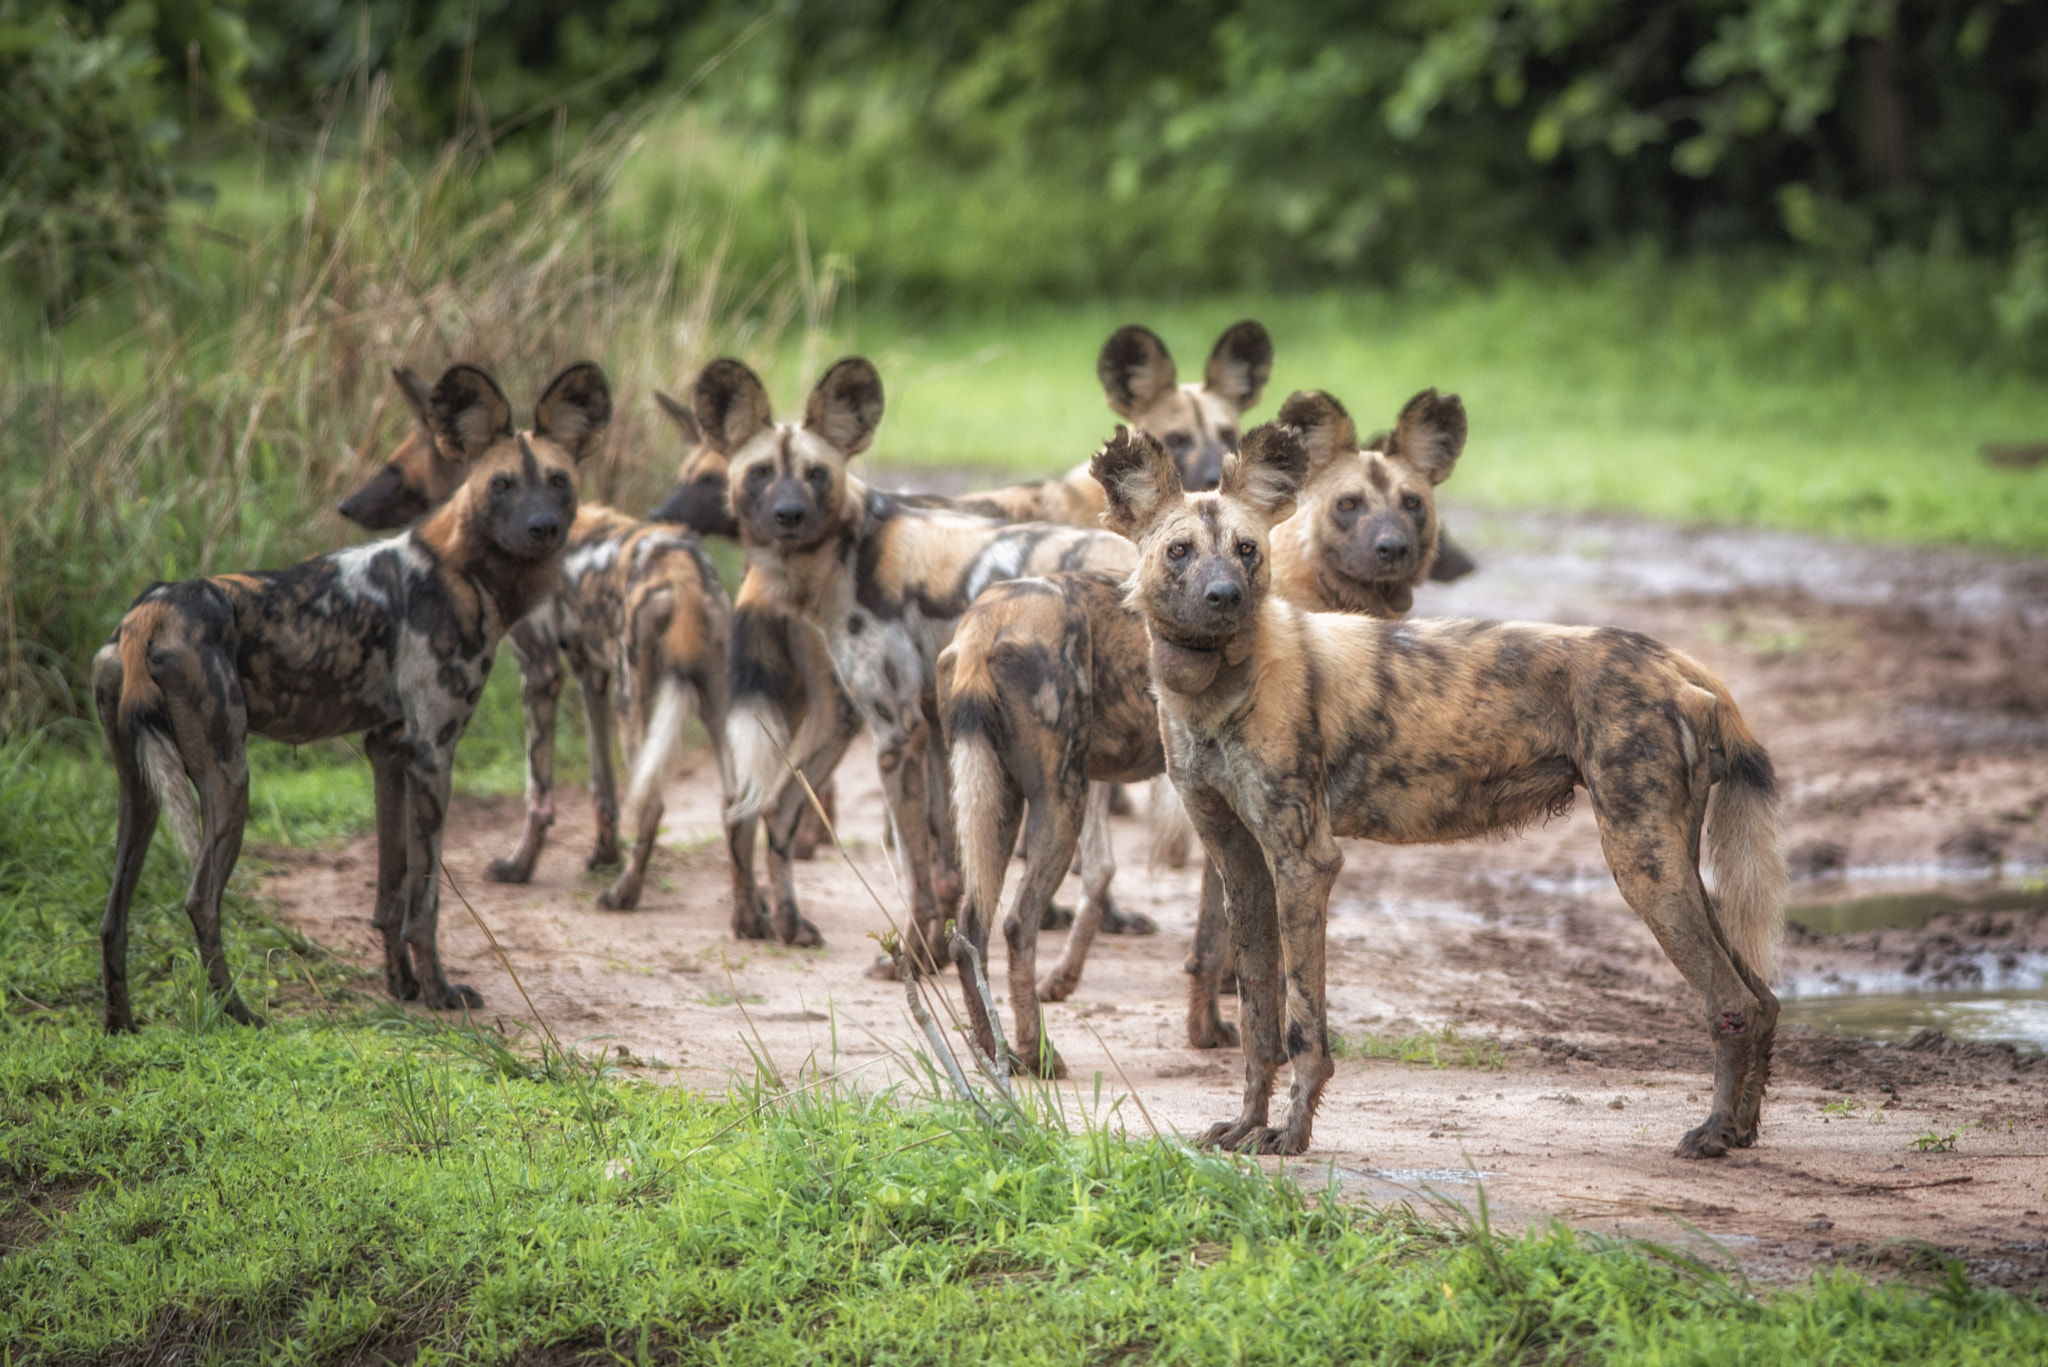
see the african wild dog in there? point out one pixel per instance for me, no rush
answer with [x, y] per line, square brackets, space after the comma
[781, 665]
[884, 580]
[643, 619]
[1044, 696]
[394, 638]
[1284, 729]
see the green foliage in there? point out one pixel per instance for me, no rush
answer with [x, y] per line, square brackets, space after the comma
[310, 1194]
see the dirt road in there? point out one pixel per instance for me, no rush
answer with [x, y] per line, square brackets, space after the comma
[1904, 697]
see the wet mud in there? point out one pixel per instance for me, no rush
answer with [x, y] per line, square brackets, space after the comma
[1506, 1018]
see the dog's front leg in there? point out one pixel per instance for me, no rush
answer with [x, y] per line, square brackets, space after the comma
[385, 748]
[1304, 872]
[429, 781]
[1206, 963]
[595, 683]
[1255, 936]
[535, 646]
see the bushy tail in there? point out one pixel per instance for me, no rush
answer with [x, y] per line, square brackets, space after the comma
[1745, 843]
[765, 689]
[666, 722]
[1170, 833]
[142, 720]
[756, 741]
[984, 791]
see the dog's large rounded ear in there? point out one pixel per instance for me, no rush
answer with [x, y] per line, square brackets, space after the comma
[1267, 471]
[1139, 480]
[679, 413]
[574, 410]
[1326, 429]
[731, 404]
[418, 392]
[1135, 370]
[467, 412]
[846, 407]
[1240, 364]
[1429, 435]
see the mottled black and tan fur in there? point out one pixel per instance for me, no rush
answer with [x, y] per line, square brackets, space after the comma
[883, 580]
[393, 639]
[1284, 729]
[1045, 691]
[643, 622]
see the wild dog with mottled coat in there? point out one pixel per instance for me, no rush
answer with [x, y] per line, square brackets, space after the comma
[778, 664]
[644, 622]
[1044, 693]
[883, 580]
[1285, 729]
[394, 639]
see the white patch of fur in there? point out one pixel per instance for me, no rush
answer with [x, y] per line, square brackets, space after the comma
[756, 739]
[353, 564]
[1003, 559]
[158, 759]
[667, 720]
[977, 797]
[1169, 832]
[1746, 846]
[590, 560]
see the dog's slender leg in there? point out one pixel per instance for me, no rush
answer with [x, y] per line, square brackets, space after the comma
[1658, 875]
[1303, 876]
[901, 760]
[538, 652]
[823, 743]
[749, 919]
[595, 683]
[138, 817]
[221, 776]
[1098, 867]
[1255, 937]
[428, 784]
[1205, 965]
[385, 748]
[1051, 832]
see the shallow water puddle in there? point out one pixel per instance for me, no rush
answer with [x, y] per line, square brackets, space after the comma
[1996, 994]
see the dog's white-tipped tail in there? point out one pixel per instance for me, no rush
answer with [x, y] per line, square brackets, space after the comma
[1746, 847]
[674, 705]
[1170, 834]
[983, 797]
[756, 739]
[158, 759]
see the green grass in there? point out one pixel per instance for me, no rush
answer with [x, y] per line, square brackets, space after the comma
[316, 1194]
[1688, 393]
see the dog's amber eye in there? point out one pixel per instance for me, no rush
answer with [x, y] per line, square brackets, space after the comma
[501, 484]
[1410, 502]
[818, 475]
[1247, 549]
[1347, 505]
[757, 475]
[1177, 551]
[559, 480]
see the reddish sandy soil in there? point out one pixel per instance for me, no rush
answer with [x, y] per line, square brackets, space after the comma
[1904, 697]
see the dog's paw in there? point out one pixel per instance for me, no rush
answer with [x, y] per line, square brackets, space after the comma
[506, 871]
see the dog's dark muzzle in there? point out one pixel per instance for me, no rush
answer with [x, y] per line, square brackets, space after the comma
[699, 505]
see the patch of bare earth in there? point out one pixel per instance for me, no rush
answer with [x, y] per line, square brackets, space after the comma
[1904, 698]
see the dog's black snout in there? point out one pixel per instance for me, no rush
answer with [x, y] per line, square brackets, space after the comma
[789, 513]
[1391, 547]
[1224, 593]
[543, 527]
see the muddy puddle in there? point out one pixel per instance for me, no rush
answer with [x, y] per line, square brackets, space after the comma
[1965, 962]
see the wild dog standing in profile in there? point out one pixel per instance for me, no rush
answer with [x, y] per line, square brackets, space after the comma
[1044, 696]
[644, 622]
[1284, 729]
[394, 639]
[780, 664]
[884, 580]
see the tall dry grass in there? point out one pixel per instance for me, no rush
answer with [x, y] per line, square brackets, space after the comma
[217, 432]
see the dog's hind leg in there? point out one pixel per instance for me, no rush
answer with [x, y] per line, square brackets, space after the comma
[385, 750]
[221, 776]
[1098, 867]
[540, 686]
[1051, 832]
[1655, 865]
[139, 809]
[661, 738]
[594, 682]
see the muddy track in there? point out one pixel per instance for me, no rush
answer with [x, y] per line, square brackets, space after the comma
[1904, 697]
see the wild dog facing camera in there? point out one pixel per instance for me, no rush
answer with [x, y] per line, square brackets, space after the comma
[1202, 562]
[787, 484]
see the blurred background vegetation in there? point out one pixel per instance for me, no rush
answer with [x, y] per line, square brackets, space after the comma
[1759, 260]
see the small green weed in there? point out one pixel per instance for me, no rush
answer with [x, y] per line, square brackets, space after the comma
[1933, 1141]
[1441, 1048]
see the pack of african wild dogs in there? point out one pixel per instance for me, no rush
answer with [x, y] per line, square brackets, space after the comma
[1221, 611]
